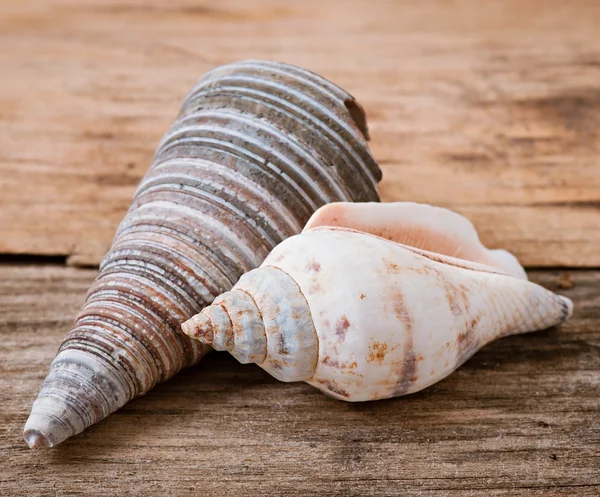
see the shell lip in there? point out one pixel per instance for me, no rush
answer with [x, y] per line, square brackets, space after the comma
[434, 256]
[35, 439]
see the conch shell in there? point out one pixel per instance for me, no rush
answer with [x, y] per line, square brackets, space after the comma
[256, 149]
[374, 301]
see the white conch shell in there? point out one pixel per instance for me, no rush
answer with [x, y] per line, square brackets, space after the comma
[362, 317]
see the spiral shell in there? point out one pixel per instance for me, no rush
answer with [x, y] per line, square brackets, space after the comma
[363, 317]
[256, 149]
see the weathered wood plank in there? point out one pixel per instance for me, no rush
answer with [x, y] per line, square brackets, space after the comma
[491, 108]
[519, 419]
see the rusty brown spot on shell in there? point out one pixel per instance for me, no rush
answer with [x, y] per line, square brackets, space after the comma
[453, 296]
[468, 341]
[391, 267]
[203, 333]
[402, 312]
[464, 295]
[341, 327]
[334, 363]
[313, 266]
[407, 373]
[315, 288]
[362, 296]
[281, 345]
[343, 367]
[275, 364]
[332, 386]
[407, 368]
[328, 361]
[377, 352]
[423, 270]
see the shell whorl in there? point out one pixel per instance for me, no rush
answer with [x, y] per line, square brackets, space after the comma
[264, 319]
[256, 148]
[233, 323]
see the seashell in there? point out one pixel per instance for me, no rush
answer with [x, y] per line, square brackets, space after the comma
[374, 301]
[256, 149]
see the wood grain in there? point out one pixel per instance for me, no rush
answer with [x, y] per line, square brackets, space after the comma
[519, 419]
[491, 108]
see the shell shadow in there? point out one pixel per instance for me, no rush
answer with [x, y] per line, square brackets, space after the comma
[216, 380]
[220, 387]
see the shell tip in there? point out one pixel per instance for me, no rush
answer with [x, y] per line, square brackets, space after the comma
[36, 439]
[200, 328]
[567, 308]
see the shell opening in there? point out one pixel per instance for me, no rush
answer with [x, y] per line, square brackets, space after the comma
[358, 115]
[422, 228]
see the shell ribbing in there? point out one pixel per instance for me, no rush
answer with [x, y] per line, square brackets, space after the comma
[256, 149]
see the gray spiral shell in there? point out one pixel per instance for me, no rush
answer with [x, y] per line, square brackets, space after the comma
[256, 149]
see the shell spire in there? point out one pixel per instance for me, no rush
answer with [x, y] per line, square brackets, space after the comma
[256, 149]
[362, 315]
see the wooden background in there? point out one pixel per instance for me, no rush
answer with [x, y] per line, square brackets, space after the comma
[490, 108]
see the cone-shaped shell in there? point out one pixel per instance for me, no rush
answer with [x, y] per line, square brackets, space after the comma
[255, 150]
[362, 317]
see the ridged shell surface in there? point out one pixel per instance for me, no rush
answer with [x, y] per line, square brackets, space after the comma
[256, 149]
